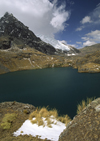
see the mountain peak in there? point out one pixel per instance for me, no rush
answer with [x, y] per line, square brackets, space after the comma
[7, 14]
[10, 26]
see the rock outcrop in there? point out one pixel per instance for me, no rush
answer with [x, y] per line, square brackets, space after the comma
[85, 126]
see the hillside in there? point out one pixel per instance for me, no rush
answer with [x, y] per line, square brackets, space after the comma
[88, 62]
[16, 59]
[90, 49]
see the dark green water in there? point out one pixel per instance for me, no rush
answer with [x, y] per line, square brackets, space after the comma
[60, 88]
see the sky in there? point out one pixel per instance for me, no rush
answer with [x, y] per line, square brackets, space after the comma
[76, 22]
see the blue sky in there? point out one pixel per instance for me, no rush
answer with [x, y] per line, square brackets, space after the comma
[84, 23]
[75, 21]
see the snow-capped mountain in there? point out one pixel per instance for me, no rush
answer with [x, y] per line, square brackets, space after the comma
[59, 45]
[56, 43]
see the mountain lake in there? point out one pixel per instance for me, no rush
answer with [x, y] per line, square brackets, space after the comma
[60, 88]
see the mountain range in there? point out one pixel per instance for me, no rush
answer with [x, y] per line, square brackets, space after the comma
[21, 49]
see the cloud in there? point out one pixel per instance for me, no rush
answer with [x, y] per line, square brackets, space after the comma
[79, 28]
[79, 43]
[91, 19]
[92, 36]
[41, 16]
[88, 43]
[86, 19]
[59, 18]
[70, 2]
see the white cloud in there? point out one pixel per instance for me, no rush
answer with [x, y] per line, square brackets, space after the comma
[92, 18]
[86, 19]
[41, 16]
[88, 43]
[79, 28]
[93, 36]
[59, 18]
[79, 43]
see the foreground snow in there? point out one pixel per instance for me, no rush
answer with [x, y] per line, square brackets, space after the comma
[43, 132]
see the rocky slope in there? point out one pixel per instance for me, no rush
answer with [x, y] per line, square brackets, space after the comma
[20, 34]
[85, 126]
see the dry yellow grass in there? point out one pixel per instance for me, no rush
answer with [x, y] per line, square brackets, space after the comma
[33, 115]
[83, 104]
[7, 120]
[38, 115]
[64, 119]
[54, 113]
[44, 112]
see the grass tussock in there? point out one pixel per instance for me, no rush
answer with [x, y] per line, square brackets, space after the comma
[43, 116]
[65, 119]
[83, 104]
[7, 120]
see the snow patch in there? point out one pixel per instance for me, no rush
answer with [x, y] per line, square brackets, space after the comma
[43, 132]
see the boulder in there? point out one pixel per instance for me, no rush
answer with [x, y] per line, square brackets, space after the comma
[85, 126]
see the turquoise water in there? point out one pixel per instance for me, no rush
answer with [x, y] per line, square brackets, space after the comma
[60, 88]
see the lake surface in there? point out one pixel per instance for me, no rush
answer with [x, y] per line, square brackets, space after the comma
[60, 88]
